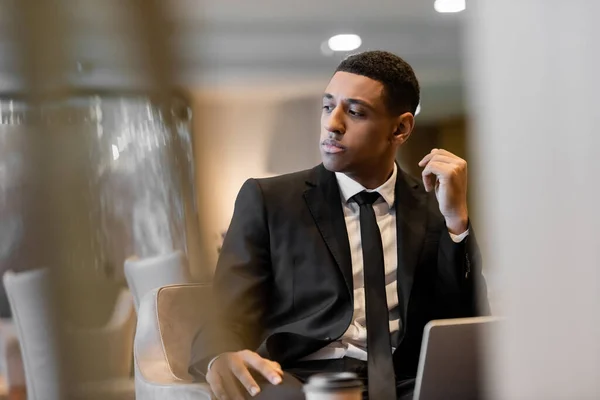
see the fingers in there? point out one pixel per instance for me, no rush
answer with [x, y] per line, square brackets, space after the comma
[231, 386]
[277, 367]
[438, 168]
[441, 155]
[440, 163]
[231, 369]
[265, 367]
[224, 387]
[445, 159]
[244, 376]
[429, 181]
[434, 170]
[444, 152]
[225, 376]
[216, 385]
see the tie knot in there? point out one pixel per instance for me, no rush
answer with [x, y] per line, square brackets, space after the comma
[366, 198]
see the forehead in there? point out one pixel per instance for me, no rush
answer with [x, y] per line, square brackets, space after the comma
[347, 85]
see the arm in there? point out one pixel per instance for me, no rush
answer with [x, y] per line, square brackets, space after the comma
[460, 281]
[241, 291]
[461, 289]
[240, 283]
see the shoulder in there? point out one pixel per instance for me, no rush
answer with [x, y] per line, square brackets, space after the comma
[286, 183]
[281, 192]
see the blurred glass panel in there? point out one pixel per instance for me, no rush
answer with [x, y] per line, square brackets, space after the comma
[17, 244]
[120, 181]
[117, 156]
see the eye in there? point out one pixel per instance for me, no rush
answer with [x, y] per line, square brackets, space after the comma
[355, 113]
[327, 108]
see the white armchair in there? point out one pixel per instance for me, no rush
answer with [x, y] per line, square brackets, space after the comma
[28, 295]
[109, 378]
[168, 318]
[145, 274]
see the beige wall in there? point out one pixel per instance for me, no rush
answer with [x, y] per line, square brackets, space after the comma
[249, 135]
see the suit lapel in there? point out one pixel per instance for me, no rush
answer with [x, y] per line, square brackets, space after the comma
[324, 202]
[411, 217]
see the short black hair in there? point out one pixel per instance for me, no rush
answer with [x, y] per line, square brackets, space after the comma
[401, 88]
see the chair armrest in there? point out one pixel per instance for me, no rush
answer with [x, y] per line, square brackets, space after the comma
[154, 378]
[175, 390]
[150, 359]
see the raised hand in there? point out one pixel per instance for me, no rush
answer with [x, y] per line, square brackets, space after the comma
[447, 174]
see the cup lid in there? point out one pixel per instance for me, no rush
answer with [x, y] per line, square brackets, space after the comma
[333, 381]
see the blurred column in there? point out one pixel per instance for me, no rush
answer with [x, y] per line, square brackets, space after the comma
[534, 83]
[100, 168]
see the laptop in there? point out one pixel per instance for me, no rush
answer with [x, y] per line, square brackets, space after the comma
[451, 361]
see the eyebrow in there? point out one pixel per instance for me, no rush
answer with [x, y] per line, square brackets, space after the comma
[363, 103]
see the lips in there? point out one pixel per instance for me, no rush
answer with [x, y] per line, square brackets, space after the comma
[332, 146]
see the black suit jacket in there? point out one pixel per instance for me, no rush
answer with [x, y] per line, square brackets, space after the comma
[283, 282]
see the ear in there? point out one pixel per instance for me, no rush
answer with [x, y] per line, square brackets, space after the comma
[404, 127]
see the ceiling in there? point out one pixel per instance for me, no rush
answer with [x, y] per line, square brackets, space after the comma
[241, 43]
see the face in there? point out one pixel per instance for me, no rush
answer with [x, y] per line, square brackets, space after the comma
[357, 130]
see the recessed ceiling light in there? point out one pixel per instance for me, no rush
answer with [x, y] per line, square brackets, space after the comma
[345, 42]
[449, 6]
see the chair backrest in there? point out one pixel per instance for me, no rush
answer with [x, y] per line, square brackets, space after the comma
[104, 353]
[29, 294]
[181, 309]
[145, 274]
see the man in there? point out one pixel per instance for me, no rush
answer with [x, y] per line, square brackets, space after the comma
[339, 268]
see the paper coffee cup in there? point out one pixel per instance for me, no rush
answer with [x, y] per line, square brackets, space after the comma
[334, 386]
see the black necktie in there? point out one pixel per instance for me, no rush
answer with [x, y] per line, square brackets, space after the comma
[382, 382]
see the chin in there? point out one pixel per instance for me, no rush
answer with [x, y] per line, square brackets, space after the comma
[333, 165]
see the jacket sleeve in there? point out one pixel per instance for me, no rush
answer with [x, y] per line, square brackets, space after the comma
[240, 286]
[461, 289]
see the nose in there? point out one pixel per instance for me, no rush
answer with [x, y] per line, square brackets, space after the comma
[334, 122]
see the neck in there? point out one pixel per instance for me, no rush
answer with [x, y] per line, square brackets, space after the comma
[374, 177]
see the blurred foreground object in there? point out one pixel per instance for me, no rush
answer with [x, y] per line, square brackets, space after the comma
[98, 166]
[534, 92]
[118, 175]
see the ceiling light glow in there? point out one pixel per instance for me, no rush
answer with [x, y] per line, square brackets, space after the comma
[344, 42]
[449, 6]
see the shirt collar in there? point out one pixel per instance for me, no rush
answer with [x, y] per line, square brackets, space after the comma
[349, 187]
